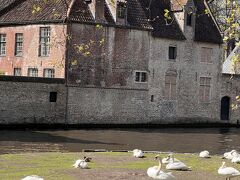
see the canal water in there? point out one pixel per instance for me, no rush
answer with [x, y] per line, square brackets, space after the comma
[184, 140]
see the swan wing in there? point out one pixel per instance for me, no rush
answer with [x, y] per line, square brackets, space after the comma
[138, 153]
[152, 171]
[228, 171]
[83, 165]
[33, 177]
[236, 159]
[177, 166]
[165, 176]
[204, 154]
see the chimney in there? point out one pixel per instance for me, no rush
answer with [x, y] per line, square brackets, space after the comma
[97, 9]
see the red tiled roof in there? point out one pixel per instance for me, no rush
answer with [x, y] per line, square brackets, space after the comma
[22, 11]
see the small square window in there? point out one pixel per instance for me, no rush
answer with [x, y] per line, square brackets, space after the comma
[172, 52]
[33, 72]
[53, 97]
[49, 73]
[140, 77]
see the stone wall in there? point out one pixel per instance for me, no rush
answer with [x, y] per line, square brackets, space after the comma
[107, 106]
[100, 85]
[26, 100]
[230, 87]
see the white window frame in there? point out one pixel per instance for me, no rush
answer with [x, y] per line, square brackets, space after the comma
[18, 44]
[28, 73]
[140, 77]
[15, 70]
[44, 41]
[3, 44]
[52, 74]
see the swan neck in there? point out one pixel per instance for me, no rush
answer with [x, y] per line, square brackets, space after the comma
[160, 165]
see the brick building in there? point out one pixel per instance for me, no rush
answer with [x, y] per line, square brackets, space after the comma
[123, 61]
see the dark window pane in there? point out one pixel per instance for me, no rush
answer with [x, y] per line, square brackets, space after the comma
[172, 53]
[144, 77]
[53, 97]
[189, 19]
[137, 78]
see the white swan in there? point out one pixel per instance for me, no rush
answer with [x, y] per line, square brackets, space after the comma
[33, 177]
[230, 155]
[138, 153]
[81, 163]
[228, 171]
[176, 165]
[236, 158]
[168, 159]
[204, 154]
[156, 173]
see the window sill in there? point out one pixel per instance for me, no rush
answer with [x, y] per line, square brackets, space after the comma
[141, 82]
[44, 56]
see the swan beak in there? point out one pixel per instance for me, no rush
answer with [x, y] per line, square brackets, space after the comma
[156, 157]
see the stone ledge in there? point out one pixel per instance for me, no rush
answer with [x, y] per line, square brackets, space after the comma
[32, 79]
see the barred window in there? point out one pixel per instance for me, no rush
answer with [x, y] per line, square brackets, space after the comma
[2, 44]
[204, 90]
[49, 73]
[18, 44]
[33, 72]
[44, 48]
[17, 72]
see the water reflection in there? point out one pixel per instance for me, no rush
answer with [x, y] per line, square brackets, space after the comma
[216, 140]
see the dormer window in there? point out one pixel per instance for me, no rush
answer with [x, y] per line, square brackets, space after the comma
[189, 19]
[121, 8]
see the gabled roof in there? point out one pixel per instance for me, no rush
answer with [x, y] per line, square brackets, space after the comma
[206, 30]
[154, 10]
[22, 12]
[135, 15]
[228, 66]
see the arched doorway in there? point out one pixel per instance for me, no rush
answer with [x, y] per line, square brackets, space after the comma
[225, 108]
